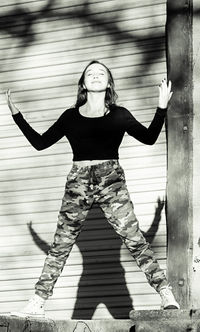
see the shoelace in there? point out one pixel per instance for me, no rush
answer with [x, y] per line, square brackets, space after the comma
[35, 302]
[166, 290]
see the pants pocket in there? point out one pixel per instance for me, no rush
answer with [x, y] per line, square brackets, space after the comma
[73, 174]
[120, 172]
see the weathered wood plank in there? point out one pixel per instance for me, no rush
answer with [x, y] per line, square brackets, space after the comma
[180, 115]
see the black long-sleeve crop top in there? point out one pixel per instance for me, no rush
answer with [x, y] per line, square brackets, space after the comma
[93, 138]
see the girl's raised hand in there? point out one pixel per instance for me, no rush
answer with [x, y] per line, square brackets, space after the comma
[165, 93]
[11, 105]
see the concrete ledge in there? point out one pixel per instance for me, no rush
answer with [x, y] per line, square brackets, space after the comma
[15, 324]
[166, 320]
[140, 321]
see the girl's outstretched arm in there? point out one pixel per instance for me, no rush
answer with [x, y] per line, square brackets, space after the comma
[149, 135]
[38, 141]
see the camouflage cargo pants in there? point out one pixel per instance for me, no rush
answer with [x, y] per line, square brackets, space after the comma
[104, 184]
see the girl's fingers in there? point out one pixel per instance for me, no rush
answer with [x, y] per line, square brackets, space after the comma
[164, 84]
[163, 87]
[8, 93]
[171, 93]
[8, 97]
[165, 93]
[169, 86]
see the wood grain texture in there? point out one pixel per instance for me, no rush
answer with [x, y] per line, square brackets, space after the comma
[179, 142]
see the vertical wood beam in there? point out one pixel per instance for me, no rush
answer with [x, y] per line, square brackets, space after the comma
[179, 148]
[196, 156]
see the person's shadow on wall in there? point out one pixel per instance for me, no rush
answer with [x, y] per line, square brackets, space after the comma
[103, 277]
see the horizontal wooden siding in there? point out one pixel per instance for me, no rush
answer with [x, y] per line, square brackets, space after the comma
[44, 47]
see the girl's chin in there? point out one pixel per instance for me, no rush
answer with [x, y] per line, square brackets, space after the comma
[97, 90]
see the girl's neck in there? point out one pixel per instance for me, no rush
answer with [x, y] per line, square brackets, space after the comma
[95, 104]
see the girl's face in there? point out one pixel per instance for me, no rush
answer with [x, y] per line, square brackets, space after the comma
[96, 78]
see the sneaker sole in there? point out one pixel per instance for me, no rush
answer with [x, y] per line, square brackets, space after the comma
[171, 307]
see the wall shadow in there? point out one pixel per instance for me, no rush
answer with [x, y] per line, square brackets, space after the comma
[151, 232]
[20, 22]
[103, 277]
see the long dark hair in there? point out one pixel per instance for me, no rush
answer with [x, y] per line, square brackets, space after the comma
[110, 95]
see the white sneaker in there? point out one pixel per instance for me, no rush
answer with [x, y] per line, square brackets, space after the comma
[34, 308]
[167, 298]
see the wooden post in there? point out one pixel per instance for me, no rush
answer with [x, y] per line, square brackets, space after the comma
[196, 156]
[179, 147]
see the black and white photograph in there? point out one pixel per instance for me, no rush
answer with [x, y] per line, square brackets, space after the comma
[99, 166]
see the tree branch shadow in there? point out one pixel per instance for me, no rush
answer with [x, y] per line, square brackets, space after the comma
[19, 22]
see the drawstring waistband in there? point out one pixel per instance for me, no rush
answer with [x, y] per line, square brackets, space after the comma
[90, 163]
[93, 170]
